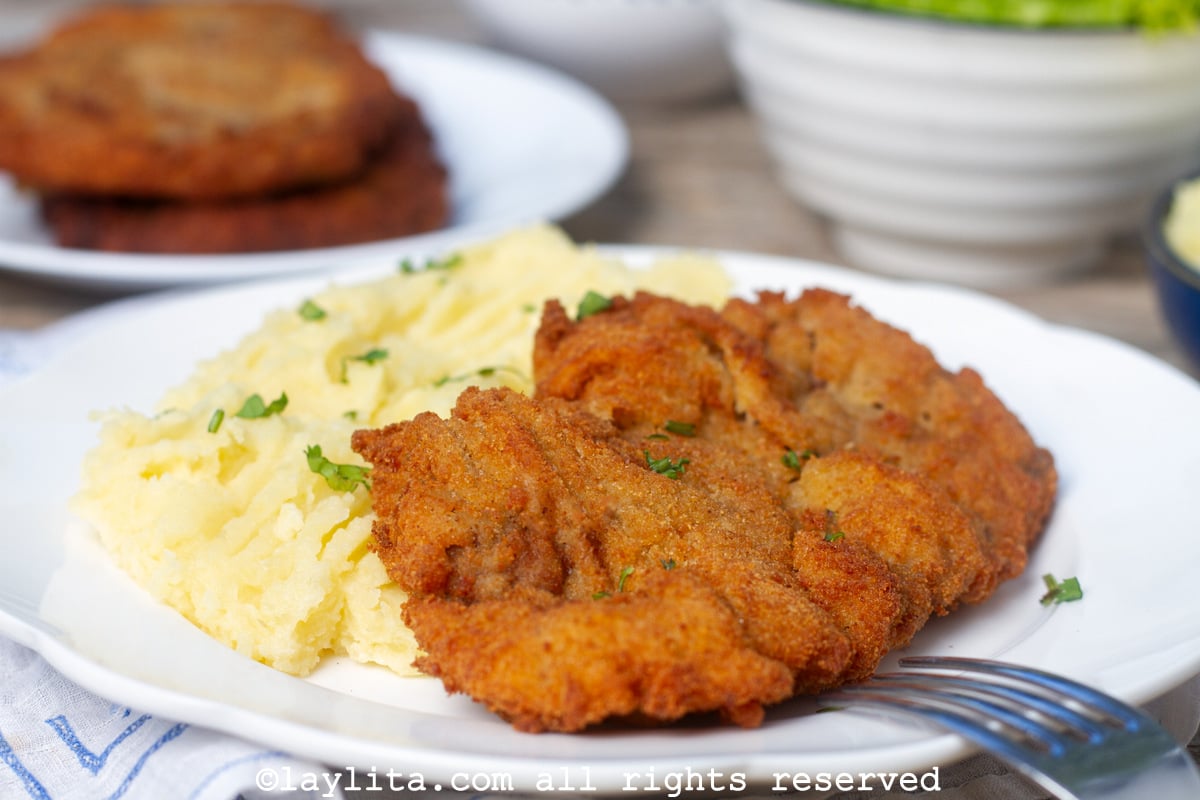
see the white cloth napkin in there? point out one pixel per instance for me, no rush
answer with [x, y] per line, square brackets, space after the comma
[61, 742]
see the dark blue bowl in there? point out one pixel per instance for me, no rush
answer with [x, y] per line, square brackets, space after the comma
[1178, 284]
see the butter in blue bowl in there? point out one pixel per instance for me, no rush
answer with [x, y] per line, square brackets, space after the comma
[1172, 239]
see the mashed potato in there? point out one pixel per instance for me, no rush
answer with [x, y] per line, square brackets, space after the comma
[221, 517]
[1182, 226]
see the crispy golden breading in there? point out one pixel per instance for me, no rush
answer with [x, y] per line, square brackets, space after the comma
[806, 480]
[402, 192]
[191, 100]
[672, 648]
[886, 395]
[513, 500]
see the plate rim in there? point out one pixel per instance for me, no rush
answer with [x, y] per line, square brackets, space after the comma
[924, 752]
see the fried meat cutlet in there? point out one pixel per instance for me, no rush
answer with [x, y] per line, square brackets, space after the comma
[807, 480]
[532, 511]
[191, 100]
[890, 398]
[402, 192]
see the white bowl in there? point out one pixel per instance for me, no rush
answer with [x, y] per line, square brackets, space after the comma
[982, 155]
[636, 50]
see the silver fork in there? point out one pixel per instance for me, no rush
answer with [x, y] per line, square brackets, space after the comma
[1075, 742]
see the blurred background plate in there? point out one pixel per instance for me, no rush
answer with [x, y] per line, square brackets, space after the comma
[522, 143]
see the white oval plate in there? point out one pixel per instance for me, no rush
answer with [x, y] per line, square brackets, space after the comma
[1122, 425]
[522, 143]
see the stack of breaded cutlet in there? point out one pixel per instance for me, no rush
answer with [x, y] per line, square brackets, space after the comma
[215, 127]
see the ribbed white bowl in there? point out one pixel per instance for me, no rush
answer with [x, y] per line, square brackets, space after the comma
[633, 50]
[980, 155]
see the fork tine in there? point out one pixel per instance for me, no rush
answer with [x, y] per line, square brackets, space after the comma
[1012, 712]
[1077, 692]
[948, 714]
[1063, 716]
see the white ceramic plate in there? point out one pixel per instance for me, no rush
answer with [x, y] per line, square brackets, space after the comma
[521, 142]
[1122, 425]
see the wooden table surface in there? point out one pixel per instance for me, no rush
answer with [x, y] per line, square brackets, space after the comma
[698, 176]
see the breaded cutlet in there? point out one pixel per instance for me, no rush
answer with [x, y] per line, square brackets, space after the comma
[699, 511]
[403, 191]
[198, 100]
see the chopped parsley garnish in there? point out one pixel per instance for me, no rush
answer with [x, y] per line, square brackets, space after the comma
[665, 466]
[449, 262]
[482, 372]
[624, 576]
[675, 427]
[350, 415]
[592, 303]
[668, 563]
[340, 477]
[256, 408]
[432, 264]
[792, 460]
[214, 422]
[372, 356]
[832, 534]
[1066, 591]
[680, 428]
[310, 311]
